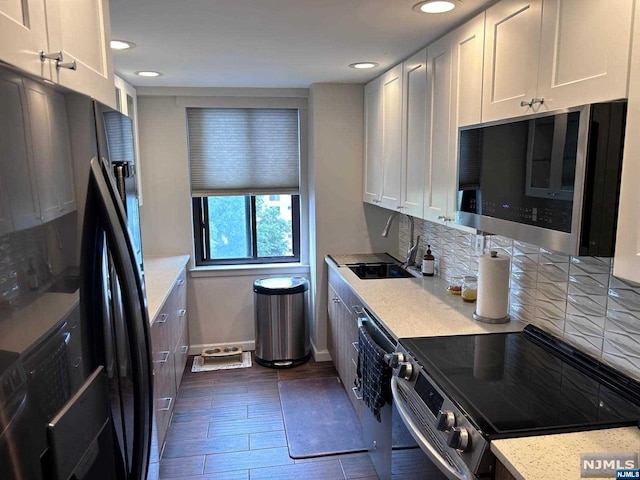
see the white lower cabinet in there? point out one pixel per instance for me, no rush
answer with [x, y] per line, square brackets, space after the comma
[342, 335]
[170, 346]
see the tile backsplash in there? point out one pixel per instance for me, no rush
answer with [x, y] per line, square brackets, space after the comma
[574, 298]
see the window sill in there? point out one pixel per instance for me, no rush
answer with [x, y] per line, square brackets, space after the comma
[250, 270]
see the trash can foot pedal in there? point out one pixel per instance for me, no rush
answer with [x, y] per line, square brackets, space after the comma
[212, 354]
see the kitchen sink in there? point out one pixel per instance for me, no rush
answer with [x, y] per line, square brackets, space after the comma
[370, 271]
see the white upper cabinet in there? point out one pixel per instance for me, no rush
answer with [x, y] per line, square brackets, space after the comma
[372, 185]
[626, 262]
[391, 138]
[79, 29]
[543, 55]
[512, 46]
[584, 51]
[414, 131]
[467, 50]
[23, 33]
[438, 177]
[383, 131]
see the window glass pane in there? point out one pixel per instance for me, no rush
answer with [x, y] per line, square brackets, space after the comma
[273, 225]
[229, 227]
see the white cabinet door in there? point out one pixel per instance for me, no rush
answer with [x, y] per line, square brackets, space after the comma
[626, 262]
[512, 45]
[372, 175]
[81, 30]
[414, 134]
[467, 49]
[23, 33]
[391, 137]
[51, 153]
[584, 51]
[438, 184]
[21, 202]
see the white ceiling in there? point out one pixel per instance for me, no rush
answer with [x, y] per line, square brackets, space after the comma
[271, 43]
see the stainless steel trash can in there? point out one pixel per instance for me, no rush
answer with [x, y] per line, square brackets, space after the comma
[282, 332]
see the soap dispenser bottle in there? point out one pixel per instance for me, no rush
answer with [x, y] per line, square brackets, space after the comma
[428, 263]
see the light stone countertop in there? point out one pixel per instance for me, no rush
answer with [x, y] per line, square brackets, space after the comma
[421, 307]
[26, 327]
[558, 456]
[160, 275]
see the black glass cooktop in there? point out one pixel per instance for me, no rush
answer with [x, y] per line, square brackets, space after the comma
[527, 383]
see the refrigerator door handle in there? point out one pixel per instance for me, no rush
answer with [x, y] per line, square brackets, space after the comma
[104, 212]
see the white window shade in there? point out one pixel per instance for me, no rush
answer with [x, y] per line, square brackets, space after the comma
[242, 151]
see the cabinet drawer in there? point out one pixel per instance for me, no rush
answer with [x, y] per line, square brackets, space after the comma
[164, 390]
[181, 354]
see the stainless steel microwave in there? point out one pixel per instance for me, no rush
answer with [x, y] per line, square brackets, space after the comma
[552, 180]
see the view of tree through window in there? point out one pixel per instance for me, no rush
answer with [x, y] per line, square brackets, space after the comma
[229, 221]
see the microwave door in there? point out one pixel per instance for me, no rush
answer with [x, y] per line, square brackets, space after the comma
[105, 219]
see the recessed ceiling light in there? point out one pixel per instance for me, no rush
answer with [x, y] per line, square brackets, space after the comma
[121, 45]
[148, 73]
[436, 6]
[363, 65]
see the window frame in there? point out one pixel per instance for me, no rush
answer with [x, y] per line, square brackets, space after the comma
[202, 240]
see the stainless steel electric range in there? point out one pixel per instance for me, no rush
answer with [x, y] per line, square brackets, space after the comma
[457, 393]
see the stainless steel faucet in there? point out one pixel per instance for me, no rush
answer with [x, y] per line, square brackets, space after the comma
[413, 247]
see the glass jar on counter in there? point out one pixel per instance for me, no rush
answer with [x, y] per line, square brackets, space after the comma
[469, 288]
[455, 285]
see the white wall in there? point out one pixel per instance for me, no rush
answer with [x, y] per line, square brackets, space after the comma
[340, 222]
[220, 303]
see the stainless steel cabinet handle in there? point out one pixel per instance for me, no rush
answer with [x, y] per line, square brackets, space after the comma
[181, 282]
[441, 217]
[357, 309]
[526, 104]
[182, 312]
[163, 318]
[165, 357]
[356, 346]
[184, 349]
[399, 207]
[168, 400]
[355, 393]
[77, 363]
[57, 56]
[68, 65]
[354, 363]
[537, 100]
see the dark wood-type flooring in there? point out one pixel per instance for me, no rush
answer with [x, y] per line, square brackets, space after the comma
[227, 425]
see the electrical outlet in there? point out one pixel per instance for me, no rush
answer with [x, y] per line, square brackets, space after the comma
[480, 242]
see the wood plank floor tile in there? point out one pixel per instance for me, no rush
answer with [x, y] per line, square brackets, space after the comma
[261, 440]
[206, 446]
[268, 457]
[319, 470]
[358, 466]
[271, 409]
[186, 431]
[230, 412]
[247, 425]
[180, 467]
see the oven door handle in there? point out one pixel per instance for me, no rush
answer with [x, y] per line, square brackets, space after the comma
[424, 443]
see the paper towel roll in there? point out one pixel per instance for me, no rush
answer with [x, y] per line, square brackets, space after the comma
[493, 287]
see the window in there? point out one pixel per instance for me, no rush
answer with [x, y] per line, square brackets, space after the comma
[244, 183]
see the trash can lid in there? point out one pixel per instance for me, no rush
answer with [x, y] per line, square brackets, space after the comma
[281, 285]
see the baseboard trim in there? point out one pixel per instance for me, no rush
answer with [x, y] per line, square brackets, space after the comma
[320, 355]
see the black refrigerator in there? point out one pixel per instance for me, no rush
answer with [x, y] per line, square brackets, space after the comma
[76, 380]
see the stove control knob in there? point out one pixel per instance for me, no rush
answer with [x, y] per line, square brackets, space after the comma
[459, 439]
[405, 371]
[446, 420]
[394, 359]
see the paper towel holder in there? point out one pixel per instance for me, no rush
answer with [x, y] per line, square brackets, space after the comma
[479, 318]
